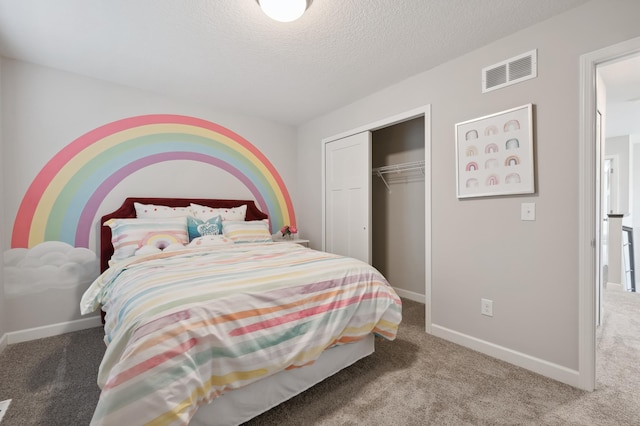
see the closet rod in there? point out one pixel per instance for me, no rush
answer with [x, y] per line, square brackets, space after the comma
[400, 168]
[397, 168]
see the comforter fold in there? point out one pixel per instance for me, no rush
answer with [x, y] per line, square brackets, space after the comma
[184, 327]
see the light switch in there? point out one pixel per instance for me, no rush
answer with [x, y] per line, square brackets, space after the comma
[528, 211]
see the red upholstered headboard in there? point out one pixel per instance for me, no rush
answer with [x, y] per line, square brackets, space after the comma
[127, 210]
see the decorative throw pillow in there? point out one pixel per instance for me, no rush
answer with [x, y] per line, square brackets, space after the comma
[153, 249]
[253, 231]
[127, 235]
[147, 211]
[231, 213]
[198, 227]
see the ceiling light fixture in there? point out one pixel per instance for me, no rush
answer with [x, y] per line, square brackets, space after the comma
[284, 10]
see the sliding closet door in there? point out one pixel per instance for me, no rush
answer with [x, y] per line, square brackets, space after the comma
[348, 196]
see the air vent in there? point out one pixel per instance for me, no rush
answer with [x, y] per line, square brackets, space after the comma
[511, 71]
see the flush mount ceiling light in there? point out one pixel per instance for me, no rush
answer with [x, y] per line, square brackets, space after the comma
[284, 10]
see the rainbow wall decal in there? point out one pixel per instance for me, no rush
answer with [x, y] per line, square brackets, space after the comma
[62, 201]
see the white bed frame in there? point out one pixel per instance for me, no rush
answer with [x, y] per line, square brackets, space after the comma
[243, 404]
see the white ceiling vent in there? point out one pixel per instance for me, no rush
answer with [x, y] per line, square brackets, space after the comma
[511, 71]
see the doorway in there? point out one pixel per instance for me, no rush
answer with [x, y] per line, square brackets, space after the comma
[590, 193]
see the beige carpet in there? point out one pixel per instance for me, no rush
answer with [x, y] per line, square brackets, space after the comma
[423, 380]
[416, 380]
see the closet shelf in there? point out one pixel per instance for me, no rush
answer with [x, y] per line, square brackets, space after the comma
[398, 169]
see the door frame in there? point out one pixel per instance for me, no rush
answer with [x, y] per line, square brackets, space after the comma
[588, 193]
[423, 111]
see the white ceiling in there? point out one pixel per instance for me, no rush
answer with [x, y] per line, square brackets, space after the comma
[229, 55]
[622, 78]
[622, 82]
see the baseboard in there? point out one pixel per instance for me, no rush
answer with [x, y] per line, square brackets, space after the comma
[537, 365]
[416, 297]
[52, 330]
[614, 287]
[4, 341]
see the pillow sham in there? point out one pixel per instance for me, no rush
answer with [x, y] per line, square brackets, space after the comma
[198, 227]
[209, 240]
[147, 211]
[152, 249]
[231, 213]
[253, 231]
[127, 235]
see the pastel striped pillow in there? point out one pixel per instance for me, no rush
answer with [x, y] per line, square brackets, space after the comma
[127, 235]
[252, 231]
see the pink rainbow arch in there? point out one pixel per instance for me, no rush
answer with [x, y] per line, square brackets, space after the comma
[61, 202]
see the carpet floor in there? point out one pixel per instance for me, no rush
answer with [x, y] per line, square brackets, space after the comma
[417, 379]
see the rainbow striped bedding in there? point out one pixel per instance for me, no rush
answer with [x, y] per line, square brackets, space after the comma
[184, 327]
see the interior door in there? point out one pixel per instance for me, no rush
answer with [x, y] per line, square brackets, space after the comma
[348, 196]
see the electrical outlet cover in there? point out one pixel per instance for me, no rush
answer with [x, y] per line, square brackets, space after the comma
[486, 307]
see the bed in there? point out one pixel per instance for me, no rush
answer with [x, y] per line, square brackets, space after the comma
[218, 327]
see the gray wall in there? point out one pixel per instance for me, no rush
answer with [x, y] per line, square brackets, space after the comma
[398, 214]
[45, 110]
[480, 248]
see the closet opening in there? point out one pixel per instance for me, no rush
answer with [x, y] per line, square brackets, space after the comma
[398, 205]
[376, 202]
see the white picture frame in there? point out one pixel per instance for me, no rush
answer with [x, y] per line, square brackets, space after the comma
[494, 154]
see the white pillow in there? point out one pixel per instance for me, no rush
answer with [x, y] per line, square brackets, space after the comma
[209, 240]
[146, 211]
[253, 231]
[231, 213]
[128, 235]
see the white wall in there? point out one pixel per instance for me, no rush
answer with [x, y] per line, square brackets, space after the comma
[480, 247]
[635, 202]
[622, 118]
[619, 147]
[3, 320]
[46, 109]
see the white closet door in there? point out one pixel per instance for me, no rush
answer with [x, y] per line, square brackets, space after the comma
[348, 196]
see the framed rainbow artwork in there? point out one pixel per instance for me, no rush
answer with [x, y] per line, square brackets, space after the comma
[494, 154]
[62, 202]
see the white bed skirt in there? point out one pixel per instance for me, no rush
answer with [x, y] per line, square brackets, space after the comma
[236, 407]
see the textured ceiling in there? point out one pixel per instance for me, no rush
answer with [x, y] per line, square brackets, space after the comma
[229, 55]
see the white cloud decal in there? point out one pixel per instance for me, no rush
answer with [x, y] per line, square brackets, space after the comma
[49, 265]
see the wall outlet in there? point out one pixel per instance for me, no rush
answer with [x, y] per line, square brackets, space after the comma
[486, 307]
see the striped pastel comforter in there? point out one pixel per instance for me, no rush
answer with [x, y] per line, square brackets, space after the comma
[184, 327]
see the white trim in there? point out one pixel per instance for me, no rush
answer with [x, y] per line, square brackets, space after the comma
[587, 206]
[615, 183]
[52, 330]
[385, 122]
[537, 365]
[423, 111]
[4, 341]
[411, 295]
